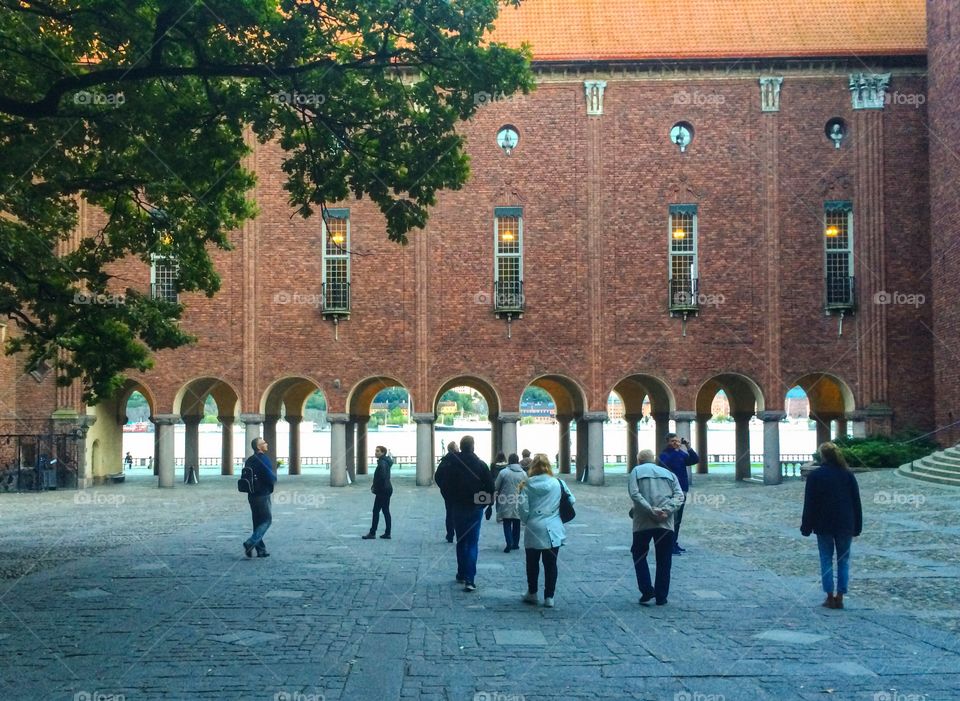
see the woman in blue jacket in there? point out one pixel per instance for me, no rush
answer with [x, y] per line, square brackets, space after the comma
[832, 510]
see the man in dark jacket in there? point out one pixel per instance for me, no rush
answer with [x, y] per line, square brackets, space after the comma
[263, 480]
[442, 478]
[471, 491]
[676, 457]
[382, 489]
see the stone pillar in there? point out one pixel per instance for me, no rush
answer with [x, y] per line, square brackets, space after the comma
[742, 433]
[361, 468]
[351, 450]
[338, 449]
[293, 444]
[841, 427]
[594, 421]
[270, 436]
[702, 447]
[771, 446]
[226, 444]
[156, 451]
[191, 447]
[164, 427]
[496, 436]
[251, 430]
[564, 449]
[508, 432]
[581, 447]
[633, 439]
[424, 449]
[661, 427]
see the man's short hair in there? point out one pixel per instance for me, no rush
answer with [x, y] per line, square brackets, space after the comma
[513, 458]
[253, 443]
[466, 444]
[670, 435]
[525, 453]
[452, 447]
[645, 455]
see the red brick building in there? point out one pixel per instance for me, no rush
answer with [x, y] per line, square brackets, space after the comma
[698, 197]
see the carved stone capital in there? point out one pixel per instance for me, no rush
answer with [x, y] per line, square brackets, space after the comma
[770, 93]
[593, 91]
[767, 416]
[424, 418]
[868, 91]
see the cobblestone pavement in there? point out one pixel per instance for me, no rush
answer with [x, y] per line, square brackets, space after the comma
[127, 591]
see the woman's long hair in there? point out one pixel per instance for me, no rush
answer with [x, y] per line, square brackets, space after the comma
[540, 465]
[830, 453]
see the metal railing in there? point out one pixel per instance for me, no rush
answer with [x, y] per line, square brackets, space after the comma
[336, 297]
[684, 294]
[508, 296]
[841, 292]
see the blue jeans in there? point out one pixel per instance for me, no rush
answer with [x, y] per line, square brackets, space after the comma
[262, 518]
[828, 544]
[511, 532]
[467, 520]
[663, 546]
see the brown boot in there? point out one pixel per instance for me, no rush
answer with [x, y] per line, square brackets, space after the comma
[829, 602]
[838, 601]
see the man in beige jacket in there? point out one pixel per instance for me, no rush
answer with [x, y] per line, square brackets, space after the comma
[656, 495]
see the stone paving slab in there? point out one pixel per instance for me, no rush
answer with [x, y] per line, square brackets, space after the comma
[147, 597]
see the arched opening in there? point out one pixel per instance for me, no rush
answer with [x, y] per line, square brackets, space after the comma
[380, 405]
[208, 408]
[481, 416]
[122, 425]
[740, 398]
[827, 400]
[295, 425]
[647, 403]
[550, 408]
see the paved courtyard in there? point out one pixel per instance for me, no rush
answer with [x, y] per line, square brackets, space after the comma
[127, 591]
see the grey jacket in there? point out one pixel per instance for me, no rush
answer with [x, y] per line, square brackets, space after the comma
[508, 496]
[653, 487]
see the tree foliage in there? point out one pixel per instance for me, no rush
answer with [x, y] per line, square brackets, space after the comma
[145, 108]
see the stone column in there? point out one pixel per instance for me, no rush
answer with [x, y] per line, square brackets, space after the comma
[164, 427]
[424, 449]
[156, 451]
[841, 427]
[226, 444]
[361, 468]
[351, 450]
[564, 448]
[270, 435]
[594, 421]
[338, 449]
[293, 445]
[771, 446]
[508, 432]
[702, 448]
[633, 439]
[496, 437]
[661, 427]
[191, 447]
[252, 429]
[581, 447]
[742, 433]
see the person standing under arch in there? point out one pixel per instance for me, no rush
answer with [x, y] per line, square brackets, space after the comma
[382, 489]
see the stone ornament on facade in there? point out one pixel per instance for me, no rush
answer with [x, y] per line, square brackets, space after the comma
[868, 90]
[836, 131]
[593, 90]
[770, 94]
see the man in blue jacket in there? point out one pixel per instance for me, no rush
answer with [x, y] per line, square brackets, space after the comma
[676, 457]
[263, 480]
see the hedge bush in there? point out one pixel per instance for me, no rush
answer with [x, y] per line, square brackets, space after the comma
[885, 451]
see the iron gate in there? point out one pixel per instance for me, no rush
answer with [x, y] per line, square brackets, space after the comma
[33, 462]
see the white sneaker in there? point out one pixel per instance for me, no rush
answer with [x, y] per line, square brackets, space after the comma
[529, 598]
[548, 602]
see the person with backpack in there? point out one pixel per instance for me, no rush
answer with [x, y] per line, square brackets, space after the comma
[382, 490]
[539, 509]
[442, 479]
[471, 491]
[258, 472]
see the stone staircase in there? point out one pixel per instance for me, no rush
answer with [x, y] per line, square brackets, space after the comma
[942, 467]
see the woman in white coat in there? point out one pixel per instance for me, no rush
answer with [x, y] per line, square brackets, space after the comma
[539, 508]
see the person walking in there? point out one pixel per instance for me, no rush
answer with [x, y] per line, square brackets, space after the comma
[656, 495]
[259, 498]
[471, 491]
[539, 509]
[128, 461]
[677, 457]
[832, 510]
[498, 464]
[382, 490]
[525, 460]
[442, 478]
[506, 493]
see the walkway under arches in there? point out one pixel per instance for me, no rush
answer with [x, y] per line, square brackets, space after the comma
[285, 398]
[188, 406]
[358, 416]
[106, 433]
[830, 400]
[571, 403]
[634, 390]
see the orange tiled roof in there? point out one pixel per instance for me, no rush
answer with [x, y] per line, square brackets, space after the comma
[578, 30]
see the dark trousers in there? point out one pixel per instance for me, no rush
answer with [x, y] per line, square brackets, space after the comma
[381, 502]
[663, 545]
[448, 507]
[262, 518]
[549, 558]
[467, 520]
[677, 519]
[511, 532]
